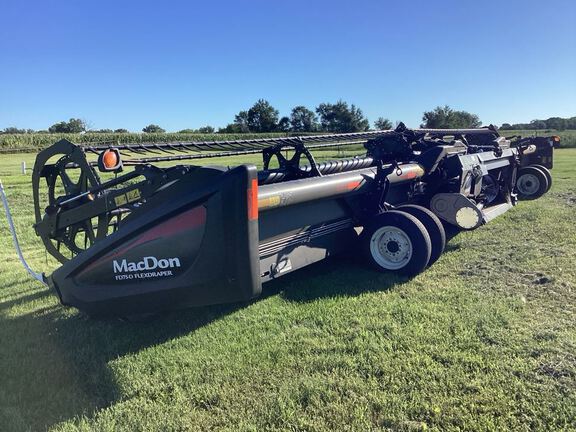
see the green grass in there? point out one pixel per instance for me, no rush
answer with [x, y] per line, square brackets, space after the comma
[483, 340]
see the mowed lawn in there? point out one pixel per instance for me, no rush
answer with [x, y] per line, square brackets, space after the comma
[483, 340]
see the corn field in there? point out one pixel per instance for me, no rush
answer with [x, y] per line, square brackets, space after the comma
[10, 143]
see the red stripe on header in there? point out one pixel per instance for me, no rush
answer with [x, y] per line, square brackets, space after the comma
[410, 174]
[253, 200]
[353, 184]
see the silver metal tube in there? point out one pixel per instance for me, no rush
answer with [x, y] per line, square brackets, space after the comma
[299, 191]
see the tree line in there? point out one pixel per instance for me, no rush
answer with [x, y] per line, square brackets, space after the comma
[556, 123]
[339, 117]
[327, 117]
[261, 117]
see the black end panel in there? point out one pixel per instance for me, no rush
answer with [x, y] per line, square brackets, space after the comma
[544, 154]
[194, 243]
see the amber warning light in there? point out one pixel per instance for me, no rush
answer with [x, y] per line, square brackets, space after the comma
[109, 160]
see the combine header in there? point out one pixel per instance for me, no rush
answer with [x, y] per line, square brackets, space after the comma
[138, 231]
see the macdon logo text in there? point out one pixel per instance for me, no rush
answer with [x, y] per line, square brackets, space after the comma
[147, 263]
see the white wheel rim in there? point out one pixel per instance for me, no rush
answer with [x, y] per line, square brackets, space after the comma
[528, 184]
[390, 247]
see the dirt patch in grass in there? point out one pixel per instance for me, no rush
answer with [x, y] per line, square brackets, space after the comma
[566, 197]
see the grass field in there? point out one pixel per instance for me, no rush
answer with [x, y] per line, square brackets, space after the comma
[483, 340]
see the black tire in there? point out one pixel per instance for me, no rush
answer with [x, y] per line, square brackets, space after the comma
[547, 173]
[433, 225]
[398, 227]
[531, 183]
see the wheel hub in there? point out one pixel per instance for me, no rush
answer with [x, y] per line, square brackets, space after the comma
[391, 247]
[528, 184]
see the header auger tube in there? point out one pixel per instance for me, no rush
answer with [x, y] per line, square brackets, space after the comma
[136, 237]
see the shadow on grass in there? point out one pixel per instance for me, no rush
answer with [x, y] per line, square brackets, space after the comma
[343, 276]
[55, 362]
[23, 298]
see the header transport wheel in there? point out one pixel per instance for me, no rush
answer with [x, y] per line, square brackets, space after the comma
[531, 183]
[433, 226]
[547, 173]
[396, 241]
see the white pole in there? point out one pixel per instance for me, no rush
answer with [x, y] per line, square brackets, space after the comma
[23, 165]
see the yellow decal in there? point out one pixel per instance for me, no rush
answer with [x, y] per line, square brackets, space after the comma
[120, 200]
[130, 196]
[133, 195]
[269, 202]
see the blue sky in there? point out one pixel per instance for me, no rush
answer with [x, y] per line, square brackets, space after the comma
[185, 64]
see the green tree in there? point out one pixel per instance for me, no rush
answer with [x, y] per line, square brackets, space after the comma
[206, 130]
[556, 123]
[283, 124]
[382, 124]
[241, 122]
[303, 120]
[202, 130]
[447, 118]
[339, 117]
[120, 130]
[71, 126]
[537, 124]
[15, 130]
[261, 117]
[232, 128]
[152, 128]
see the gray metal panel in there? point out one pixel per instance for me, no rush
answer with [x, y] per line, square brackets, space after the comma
[283, 221]
[295, 257]
[270, 247]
